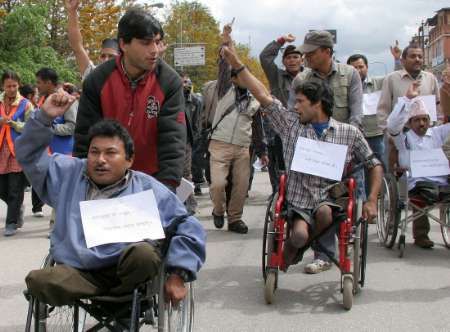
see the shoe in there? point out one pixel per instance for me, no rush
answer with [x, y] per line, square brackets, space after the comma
[424, 242]
[238, 227]
[38, 214]
[20, 221]
[219, 221]
[198, 190]
[317, 266]
[10, 230]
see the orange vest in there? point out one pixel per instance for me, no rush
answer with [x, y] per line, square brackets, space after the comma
[5, 131]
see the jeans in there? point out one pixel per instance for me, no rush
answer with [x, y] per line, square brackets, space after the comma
[377, 145]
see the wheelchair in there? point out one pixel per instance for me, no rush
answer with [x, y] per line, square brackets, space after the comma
[394, 199]
[145, 306]
[352, 243]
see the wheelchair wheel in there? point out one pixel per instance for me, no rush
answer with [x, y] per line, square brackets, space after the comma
[347, 292]
[268, 236]
[445, 229]
[179, 318]
[270, 286]
[359, 249]
[48, 318]
[388, 211]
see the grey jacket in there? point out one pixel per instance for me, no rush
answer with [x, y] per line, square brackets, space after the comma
[279, 80]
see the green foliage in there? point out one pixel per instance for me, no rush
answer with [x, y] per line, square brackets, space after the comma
[25, 44]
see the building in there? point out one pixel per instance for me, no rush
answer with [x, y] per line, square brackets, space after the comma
[434, 37]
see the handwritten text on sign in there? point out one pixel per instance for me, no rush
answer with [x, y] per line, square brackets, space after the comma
[131, 218]
[319, 158]
[428, 163]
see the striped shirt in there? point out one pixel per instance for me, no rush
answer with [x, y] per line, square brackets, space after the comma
[306, 191]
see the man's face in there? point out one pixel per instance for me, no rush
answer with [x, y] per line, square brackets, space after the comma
[108, 54]
[361, 67]
[293, 63]
[44, 87]
[420, 124]
[306, 110]
[142, 54]
[106, 160]
[317, 58]
[10, 87]
[414, 60]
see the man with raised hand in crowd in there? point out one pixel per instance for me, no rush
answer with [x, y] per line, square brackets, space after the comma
[308, 195]
[109, 48]
[280, 81]
[345, 83]
[63, 182]
[144, 94]
[229, 145]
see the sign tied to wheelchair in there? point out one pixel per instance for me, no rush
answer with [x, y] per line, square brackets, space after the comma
[426, 163]
[131, 218]
[323, 159]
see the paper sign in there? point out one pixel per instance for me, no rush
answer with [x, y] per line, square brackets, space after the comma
[430, 104]
[131, 218]
[370, 102]
[185, 189]
[431, 162]
[258, 165]
[319, 158]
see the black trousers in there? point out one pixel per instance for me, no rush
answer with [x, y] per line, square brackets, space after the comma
[36, 201]
[12, 186]
[276, 162]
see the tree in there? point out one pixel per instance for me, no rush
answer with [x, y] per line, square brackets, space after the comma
[192, 22]
[25, 44]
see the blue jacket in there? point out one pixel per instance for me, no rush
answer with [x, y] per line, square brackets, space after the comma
[61, 182]
[61, 144]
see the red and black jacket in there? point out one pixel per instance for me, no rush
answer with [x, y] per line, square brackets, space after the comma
[152, 112]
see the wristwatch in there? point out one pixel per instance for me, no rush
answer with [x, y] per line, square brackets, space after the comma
[182, 273]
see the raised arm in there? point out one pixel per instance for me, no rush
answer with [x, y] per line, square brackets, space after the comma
[400, 115]
[74, 35]
[246, 78]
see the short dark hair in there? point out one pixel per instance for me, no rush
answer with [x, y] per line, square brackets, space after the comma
[48, 74]
[9, 74]
[409, 47]
[110, 43]
[137, 23]
[356, 57]
[112, 128]
[318, 91]
[26, 90]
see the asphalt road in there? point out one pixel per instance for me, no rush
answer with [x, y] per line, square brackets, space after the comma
[408, 294]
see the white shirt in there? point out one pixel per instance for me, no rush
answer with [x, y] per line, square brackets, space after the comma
[404, 142]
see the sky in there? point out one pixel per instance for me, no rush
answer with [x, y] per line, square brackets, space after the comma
[367, 27]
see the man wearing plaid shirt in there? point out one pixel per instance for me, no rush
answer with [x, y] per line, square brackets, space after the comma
[308, 195]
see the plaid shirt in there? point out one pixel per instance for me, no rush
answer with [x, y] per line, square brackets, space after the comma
[306, 191]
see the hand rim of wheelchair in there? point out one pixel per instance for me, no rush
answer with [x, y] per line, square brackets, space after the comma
[69, 315]
[389, 213]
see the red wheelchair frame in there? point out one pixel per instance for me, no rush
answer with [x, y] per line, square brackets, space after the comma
[352, 237]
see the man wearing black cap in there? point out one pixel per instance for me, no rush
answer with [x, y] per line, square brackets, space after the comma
[345, 83]
[109, 49]
[144, 94]
[280, 81]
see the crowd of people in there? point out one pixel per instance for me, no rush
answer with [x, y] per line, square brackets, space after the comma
[140, 126]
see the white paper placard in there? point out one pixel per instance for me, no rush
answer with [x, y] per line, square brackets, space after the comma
[430, 104]
[431, 162]
[370, 102]
[131, 218]
[319, 158]
[185, 189]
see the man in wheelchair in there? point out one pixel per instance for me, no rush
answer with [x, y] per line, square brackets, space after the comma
[413, 113]
[308, 195]
[63, 182]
